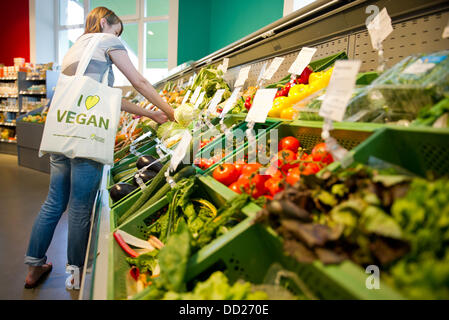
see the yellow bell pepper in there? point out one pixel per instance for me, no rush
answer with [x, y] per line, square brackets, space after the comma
[279, 104]
[289, 113]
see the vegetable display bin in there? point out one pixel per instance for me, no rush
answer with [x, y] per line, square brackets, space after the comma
[421, 151]
[208, 150]
[348, 135]
[119, 268]
[132, 158]
[249, 250]
[151, 151]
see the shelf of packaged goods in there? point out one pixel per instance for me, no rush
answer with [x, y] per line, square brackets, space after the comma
[33, 93]
[8, 78]
[8, 141]
[35, 79]
[8, 124]
[8, 109]
[8, 96]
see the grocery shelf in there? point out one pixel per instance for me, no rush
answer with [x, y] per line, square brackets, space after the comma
[8, 141]
[7, 109]
[32, 93]
[9, 96]
[8, 78]
[7, 124]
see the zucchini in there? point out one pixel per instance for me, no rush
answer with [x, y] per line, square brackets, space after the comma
[155, 183]
[124, 174]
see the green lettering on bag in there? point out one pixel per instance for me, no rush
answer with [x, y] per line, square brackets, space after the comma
[70, 117]
[59, 115]
[92, 120]
[104, 123]
[81, 118]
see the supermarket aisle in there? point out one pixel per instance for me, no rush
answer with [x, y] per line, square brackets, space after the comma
[21, 195]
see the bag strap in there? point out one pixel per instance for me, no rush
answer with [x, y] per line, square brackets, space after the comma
[88, 53]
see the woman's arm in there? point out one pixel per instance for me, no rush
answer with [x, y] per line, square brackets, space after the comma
[121, 59]
[157, 116]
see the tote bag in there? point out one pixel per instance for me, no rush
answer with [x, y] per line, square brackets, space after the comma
[83, 116]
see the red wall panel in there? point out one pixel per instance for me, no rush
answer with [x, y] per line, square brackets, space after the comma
[15, 31]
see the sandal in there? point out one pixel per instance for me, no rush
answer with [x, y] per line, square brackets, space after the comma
[38, 281]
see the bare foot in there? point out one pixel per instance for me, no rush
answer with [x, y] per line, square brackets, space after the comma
[35, 274]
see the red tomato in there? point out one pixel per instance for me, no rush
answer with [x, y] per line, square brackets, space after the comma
[225, 173]
[289, 143]
[250, 168]
[274, 173]
[311, 167]
[268, 197]
[235, 186]
[320, 153]
[284, 158]
[203, 163]
[243, 183]
[258, 181]
[239, 166]
[293, 176]
[273, 185]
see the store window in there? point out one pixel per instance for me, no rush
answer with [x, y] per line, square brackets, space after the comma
[145, 36]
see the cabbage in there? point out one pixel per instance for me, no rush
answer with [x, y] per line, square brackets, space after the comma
[185, 114]
[169, 129]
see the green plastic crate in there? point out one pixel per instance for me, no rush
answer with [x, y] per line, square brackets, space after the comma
[141, 149]
[418, 150]
[118, 267]
[208, 149]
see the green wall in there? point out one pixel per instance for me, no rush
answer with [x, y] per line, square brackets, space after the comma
[206, 26]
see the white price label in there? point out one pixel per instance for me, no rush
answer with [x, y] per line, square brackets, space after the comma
[200, 100]
[274, 66]
[216, 100]
[224, 66]
[196, 94]
[380, 28]
[446, 32]
[231, 101]
[263, 101]
[339, 91]
[243, 75]
[180, 151]
[302, 60]
[186, 97]
[134, 125]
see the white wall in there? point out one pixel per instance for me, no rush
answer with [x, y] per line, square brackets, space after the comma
[42, 31]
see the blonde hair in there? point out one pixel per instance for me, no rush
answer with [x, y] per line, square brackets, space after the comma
[94, 17]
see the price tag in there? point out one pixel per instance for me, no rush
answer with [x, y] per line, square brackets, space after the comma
[186, 97]
[134, 125]
[302, 60]
[195, 95]
[224, 66]
[263, 101]
[274, 66]
[215, 101]
[200, 100]
[243, 75]
[180, 151]
[339, 91]
[230, 102]
[380, 28]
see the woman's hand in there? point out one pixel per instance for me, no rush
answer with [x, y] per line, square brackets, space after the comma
[159, 116]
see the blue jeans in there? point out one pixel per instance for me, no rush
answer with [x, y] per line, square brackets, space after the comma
[73, 183]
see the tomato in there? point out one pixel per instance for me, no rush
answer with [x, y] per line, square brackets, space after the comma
[238, 165]
[273, 186]
[250, 168]
[243, 183]
[303, 157]
[310, 167]
[274, 172]
[203, 163]
[320, 153]
[268, 197]
[225, 173]
[289, 143]
[293, 176]
[258, 182]
[284, 158]
[235, 186]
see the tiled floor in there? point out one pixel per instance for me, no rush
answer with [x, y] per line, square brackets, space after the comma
[22, 192]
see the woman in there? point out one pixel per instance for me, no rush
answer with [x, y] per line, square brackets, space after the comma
[74, 182]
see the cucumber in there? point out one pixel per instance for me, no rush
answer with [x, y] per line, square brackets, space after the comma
[155, 184]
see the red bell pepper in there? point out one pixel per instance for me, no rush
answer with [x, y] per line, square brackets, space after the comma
[124, 245]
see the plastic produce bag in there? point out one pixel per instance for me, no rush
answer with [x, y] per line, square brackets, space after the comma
[399, 93]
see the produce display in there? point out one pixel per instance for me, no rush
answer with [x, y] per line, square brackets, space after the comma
[321, 213]
[36, 118]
